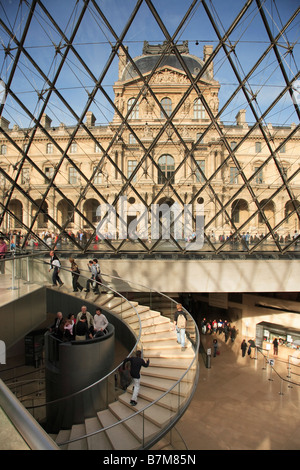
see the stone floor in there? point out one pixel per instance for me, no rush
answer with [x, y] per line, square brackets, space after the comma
[240, 404]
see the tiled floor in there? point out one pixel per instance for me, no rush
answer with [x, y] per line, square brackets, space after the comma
[237, 407]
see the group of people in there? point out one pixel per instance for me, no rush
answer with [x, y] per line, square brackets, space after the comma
[219, 326]
[80, 328]
[92, 282]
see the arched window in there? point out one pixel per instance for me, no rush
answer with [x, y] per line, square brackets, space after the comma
[239, 211]
[166, 164]
[167, 106]
[199, 111]
[134, 114]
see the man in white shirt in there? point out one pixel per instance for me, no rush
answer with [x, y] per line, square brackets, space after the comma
[100, 323]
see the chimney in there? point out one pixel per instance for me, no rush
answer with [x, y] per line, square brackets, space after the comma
[241, 118]
[4, 123]
[207, 51]
[46, 121]
[90, 119]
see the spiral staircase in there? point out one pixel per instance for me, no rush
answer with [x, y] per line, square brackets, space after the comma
[165, 390]
[167, 385]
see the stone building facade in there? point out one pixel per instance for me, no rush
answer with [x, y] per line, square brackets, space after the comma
[166, 143]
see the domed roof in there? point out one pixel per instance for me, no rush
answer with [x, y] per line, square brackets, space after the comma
[146, 62]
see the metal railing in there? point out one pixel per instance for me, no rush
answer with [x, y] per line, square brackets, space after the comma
[178, 395]
[285, 365]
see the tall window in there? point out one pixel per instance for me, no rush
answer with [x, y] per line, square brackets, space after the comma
[49, 148]
[259, 176]
[49, 172]
[134, 114]
[131, 166]
[73, 148]
[282, 149]
[199, 177]
[167, 106]
[257, 147]
[166, 164]
[97, 176]
[3, 149]
[199, 111]
[72, 175]
[97, 148]
[132, 139]
[232, 145]
[234, 173]
[25, 179]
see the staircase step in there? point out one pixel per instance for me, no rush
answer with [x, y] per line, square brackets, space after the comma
[169, 363]
[98, 441]
[157, 328]
[122, 308]
[162, 384]
[78, 430]
[163, 372]
[63, 436]
[157, 414]
[167, 344]
[144, 315]
[104, 298]
[148, 322]
[119, 436]
[169, 401]
[174, 353]
[116, 301]
[131, 312]
[140, 428]
[160, 336]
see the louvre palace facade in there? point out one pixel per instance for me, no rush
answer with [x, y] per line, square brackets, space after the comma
[166, 143]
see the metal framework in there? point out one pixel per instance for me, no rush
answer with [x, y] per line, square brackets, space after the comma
[66, 37]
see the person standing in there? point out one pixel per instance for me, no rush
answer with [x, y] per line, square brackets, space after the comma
[180, 320]
[89, 318]
[55, 265]
[136, 363]
[3, 250]
[215, 345]
[82, 331]
[251, 348]
[243, 347]
[275, 346]
[100, 323]
[75, 275]
[93, 268]
[56, 327]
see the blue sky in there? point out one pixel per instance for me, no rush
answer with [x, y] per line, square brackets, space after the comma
[93, 42]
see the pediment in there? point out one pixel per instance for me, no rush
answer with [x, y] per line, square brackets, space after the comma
[168, 75]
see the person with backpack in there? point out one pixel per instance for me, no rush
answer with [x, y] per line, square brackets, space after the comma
[180, 320]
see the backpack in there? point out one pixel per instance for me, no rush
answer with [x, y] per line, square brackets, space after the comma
[181, 321]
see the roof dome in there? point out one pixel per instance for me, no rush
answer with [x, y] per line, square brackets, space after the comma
[146, 62]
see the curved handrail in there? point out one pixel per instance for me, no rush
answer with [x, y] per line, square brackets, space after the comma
[176, 384]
